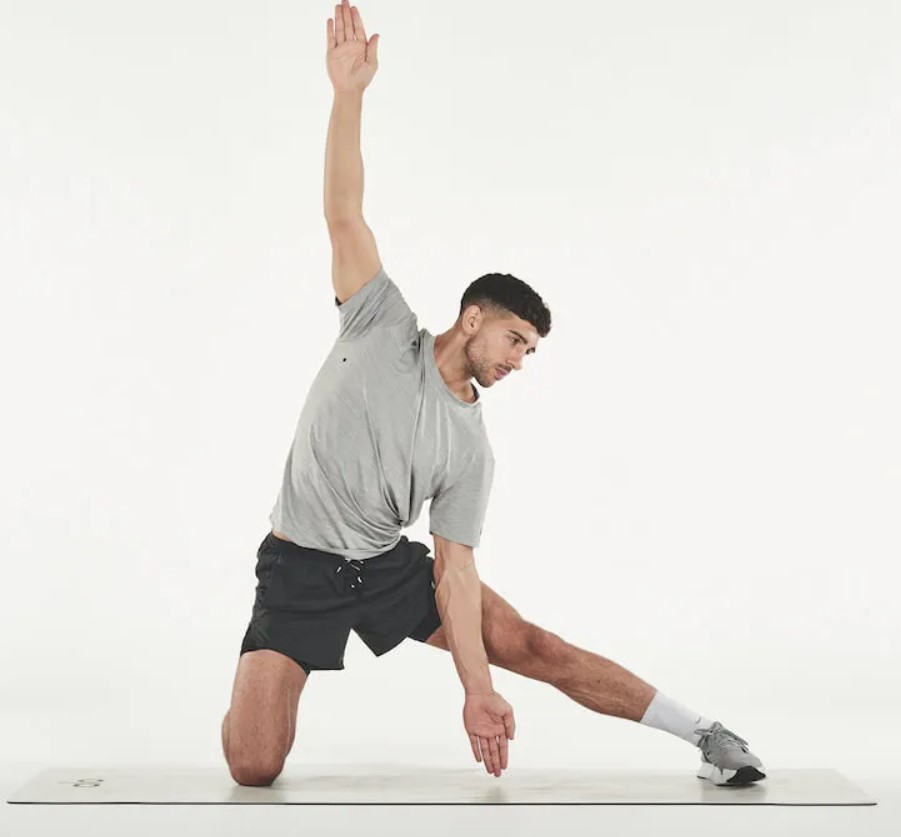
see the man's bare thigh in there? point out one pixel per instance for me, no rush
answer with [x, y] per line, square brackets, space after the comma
[501, 623]
[263, 713]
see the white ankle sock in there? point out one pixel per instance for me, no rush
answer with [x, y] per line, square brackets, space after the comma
[666, 714]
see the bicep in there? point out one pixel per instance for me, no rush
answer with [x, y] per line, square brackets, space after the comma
[355, 257]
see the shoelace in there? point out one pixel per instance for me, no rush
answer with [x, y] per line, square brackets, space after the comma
[353, 578]
[706, 734]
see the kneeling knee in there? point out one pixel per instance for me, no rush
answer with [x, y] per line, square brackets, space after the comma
[255, 775]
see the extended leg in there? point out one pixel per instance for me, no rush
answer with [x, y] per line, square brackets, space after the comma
[590, 679]
[524, 648]
[606, 687]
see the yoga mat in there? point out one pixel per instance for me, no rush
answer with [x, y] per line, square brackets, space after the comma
[381, 784]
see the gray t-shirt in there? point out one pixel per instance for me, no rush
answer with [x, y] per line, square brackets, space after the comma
[379, 433]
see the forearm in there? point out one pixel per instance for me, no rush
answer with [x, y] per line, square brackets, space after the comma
[458, 595]
[343, 159]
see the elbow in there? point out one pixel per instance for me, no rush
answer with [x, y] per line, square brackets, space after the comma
[452, 558]
[337, 219]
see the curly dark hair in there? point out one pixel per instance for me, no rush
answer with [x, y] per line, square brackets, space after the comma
[501, 293]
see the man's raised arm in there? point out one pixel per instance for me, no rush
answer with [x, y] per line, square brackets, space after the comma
[351, 62]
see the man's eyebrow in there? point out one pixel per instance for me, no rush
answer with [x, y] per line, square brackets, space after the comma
[530, 351]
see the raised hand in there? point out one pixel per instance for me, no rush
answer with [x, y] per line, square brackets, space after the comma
[351, 60]
[489, 723]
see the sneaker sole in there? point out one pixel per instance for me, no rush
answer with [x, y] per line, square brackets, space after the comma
[743, 776]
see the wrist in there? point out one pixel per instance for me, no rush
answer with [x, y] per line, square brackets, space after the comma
[480, 687]
[354, 95]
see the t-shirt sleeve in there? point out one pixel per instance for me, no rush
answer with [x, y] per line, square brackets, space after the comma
[379, 303]
[458, 511]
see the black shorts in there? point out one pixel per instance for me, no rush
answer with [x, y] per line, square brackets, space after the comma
[308, 601]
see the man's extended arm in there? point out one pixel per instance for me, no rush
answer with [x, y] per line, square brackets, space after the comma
[458, 595]
[488, 718]
[343, 159]
[351, 64]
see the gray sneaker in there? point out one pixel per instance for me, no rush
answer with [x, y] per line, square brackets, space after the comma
[726, 759]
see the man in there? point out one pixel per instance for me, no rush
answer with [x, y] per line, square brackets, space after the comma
[392, 419]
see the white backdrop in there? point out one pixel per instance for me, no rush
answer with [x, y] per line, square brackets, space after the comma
[698, 475]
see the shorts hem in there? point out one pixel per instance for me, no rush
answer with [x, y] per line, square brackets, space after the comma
[303, 661]
[426, 627]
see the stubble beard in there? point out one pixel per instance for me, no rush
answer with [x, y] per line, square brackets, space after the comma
[477, 366]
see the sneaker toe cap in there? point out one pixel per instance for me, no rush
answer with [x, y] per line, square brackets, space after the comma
[737, 760]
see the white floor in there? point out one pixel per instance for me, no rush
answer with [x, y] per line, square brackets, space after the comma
[881, 820]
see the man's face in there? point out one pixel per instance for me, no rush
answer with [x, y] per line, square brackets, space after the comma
[498, 346]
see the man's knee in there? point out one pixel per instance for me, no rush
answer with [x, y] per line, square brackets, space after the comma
[514, 642]
[543, 645]
[255, 772]
[254, 769]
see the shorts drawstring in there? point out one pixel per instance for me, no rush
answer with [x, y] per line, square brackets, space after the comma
[353, 578]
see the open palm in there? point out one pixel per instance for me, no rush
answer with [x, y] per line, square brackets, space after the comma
[489, 724]
[351, 60]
